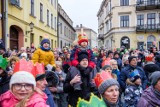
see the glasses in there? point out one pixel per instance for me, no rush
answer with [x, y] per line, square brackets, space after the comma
[26, 86]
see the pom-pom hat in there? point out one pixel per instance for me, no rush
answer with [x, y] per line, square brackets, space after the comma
[82, 38]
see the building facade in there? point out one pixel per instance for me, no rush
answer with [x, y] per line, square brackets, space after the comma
[129, 23]
[91, 34]
[66, 31]
[29, 21]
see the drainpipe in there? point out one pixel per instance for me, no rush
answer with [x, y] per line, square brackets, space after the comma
[5, 21]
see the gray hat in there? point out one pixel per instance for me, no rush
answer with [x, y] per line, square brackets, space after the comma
[106, 84]
[106, 66]
[155, 76]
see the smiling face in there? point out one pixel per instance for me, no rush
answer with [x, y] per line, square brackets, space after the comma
[112, 94]
[46, 45]
[21, 90]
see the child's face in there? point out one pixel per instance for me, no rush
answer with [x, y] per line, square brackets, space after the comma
[84, 44]
[46, 45]
[138, 81]
[114, 65]
[108, 70]
[58, 68]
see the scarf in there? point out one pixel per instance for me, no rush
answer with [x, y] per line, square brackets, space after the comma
[44, 49]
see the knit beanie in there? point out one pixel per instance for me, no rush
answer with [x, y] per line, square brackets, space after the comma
[106, 84]
[106, 66]
[82, 55]
[45, 41]
[130, 58]
[134, 75]
[40, 76]
[22, 77]
[155, 76]
[82, 38]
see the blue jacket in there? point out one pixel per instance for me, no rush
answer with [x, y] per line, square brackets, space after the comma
[50, 100]
[125, 74]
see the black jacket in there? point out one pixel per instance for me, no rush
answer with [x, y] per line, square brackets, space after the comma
[74, 95]
[4, 84]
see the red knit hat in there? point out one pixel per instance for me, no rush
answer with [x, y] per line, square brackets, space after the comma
[149, 57]
[82, 38]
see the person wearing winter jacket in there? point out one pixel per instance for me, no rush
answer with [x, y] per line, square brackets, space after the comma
[23, 92]
[151, 96]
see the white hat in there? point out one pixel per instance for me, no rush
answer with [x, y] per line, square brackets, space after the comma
[24, 55]
[22, 77]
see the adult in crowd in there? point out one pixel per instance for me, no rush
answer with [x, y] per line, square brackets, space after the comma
[151, 96]
[2, 49]
[23, 92]
[126, 71]
[109, 89]
[82, 79]
[118, 59]
[150, 66]
[44, 54]
[41, 83]
[4, 77]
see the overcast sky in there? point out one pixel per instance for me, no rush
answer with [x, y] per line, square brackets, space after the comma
[82, 12]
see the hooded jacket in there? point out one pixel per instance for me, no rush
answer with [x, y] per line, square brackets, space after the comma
[149, 98]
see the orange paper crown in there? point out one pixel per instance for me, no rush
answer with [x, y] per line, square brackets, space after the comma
[82, 38]
[149, 57]
[29, 66]
[101, 77]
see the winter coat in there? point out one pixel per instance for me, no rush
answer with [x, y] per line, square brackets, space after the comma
[46, 57]
[125, 75]
[150, 67]
[50, 100]
[74, 95]
[9, 100]
[132, 95]
[74, 56]
[4, 84]
[149, 98]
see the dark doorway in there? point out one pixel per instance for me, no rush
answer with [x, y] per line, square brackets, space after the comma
[13, 38]
[125, 41]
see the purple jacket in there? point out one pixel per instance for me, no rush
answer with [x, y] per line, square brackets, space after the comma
[149, 99]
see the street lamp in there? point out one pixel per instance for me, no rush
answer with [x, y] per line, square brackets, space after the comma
[31, 25]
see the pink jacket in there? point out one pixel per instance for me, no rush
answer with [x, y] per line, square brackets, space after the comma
[9, 100]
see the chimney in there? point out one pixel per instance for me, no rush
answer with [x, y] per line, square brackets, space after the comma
[77, 26]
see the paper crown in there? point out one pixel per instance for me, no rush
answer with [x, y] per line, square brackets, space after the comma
[29, 66]
[101, 77]
[82, 38]
[149, 57]
[3, 62]
[93, 102]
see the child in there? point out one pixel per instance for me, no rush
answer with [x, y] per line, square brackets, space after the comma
[108, 68]
[83, 48]
[44, 54]
[133, 92]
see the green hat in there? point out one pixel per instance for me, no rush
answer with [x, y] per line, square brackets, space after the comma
[3, 62]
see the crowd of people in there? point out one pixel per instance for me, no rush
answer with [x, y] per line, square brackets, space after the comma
[46, 77]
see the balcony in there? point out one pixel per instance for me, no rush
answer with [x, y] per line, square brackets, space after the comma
[101, 36]
[148, 28]
[148, 5]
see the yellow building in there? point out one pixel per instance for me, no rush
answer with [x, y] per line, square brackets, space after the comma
[29, 21]
[129, 23]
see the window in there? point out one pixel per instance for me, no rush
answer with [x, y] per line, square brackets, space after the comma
[55, 23]
[32, 7]
[41, 12]
[52, 43]
[124, 2]
[31, 38]
[124, 21]
[151, 20]
[51, 20]
[140, 19]
[40, 39]
[55, 4]
[64, 30]
[17, 3]
[107, 26]
[55, 43]
[159, 18]
[61, 28]
[52, 2]
[47, 17]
